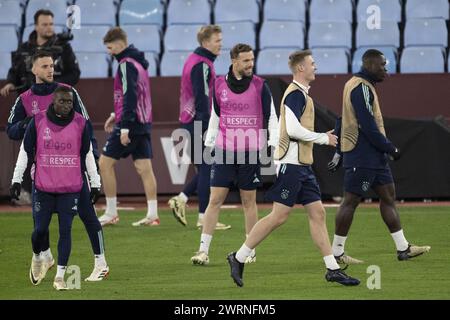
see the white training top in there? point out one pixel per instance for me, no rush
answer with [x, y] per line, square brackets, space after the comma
[296, 131]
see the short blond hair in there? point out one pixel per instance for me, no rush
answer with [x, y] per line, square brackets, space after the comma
[115, 34]
[205, 32]
[297, 57]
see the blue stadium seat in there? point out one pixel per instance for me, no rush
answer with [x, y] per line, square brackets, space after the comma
[330, 34]
[426, 32]
[390, 10]
[222, 63]
[282, 34]
[172, 63]
[10, 13]
[232, 11]
[331, 10]
[144, 37]
[152, 60]
[141, 12]
[30, 29]
[93, 65]
[89, 39]
[390, 54]
[273, 61]
[22, 3]
[152, 68]
[422, 60]
[330, 60]
[8, 38]
[189, 12]
[58, 7]
[181, 37]
[427, 9]
[388, 35]
[237, 32]
[294, 10]
[100, 12]
[5, 58]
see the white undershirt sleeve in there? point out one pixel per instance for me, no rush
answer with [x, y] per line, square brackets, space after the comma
[213, 128]
[273, 126]
[91, 167]
[296, 131]
[21, 165]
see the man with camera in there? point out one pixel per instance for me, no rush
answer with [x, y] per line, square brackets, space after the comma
[20, 78]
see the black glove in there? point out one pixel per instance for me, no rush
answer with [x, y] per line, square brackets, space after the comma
[14, 190]
[395, 155]
[24, 123]
[95, 195]
[335, 163]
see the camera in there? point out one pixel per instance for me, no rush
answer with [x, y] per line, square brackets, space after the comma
[54, 46]
[60, 40]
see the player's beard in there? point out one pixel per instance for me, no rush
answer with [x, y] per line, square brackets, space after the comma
[45, 80]
[246, 74]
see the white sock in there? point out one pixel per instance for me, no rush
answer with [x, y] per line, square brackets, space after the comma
[400, 240]
[111, 206]
[200, 215]
[338, 245]
[253, 253]
[60, 271]
[330, 262]
[183, 197]
[47, 254]
[243, 253]
[205, 241]
[152, 209]
[100, 260]
[36, 256]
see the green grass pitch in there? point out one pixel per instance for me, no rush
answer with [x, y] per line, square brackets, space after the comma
[154, 263]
